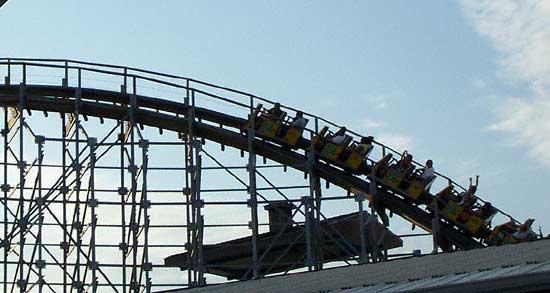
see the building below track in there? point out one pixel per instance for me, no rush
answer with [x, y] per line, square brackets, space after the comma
[523, 267]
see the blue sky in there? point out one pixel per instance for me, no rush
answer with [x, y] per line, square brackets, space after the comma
[466, 83]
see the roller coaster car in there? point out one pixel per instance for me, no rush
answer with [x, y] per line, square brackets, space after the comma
[502, 235]
[380, 168]
[462, 217]
[344, 155]
[476, 225]
[257, 119]
[354, 158]
[498, 237]
[447, 207]
[389, 176]
[413, 187]
[471, 223]
[277, 130]
[319, 138]
[292, 134]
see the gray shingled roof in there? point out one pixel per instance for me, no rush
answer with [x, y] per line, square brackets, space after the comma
[520, 278]
[438, 269]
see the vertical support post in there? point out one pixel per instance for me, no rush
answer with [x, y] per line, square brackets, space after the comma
[40, 263]
[21, 283]
[315, 196]
[66, 78]
[435, 229]
[317, 186]
[360, 198]
[307, 202]
[77, 225]
[125, 85]
[195, 219]
[8, 78]
[5, 190]
[191, 143]
[187, 190]
[123, 191]
[253, 201]
[64, 245]
[372, 217]
[93, 204]
[145, 204]
[198, 205]
[132, 168]
[24, 74]
[311, 213]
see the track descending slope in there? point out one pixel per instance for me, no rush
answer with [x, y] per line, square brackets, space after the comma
[94, 103]
[211, 125]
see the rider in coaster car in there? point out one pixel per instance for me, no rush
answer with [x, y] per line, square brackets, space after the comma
[519, 232]
[339, 136]
[427, 173]
[405, 165]
[524, 232]
[484, 211]
[274, 113]
[365, 145]
[468, 198]
[299, 121]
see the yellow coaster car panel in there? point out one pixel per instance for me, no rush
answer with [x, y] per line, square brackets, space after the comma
[293, 135]
[382, 162]
[269, 128]
[331, 151]
[473, 224]
[393, 178]
[355, 160]
[416, 188]
[452, 210]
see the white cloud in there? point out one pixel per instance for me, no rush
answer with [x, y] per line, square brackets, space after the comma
[465, 170]
[381, 105]
[367, 124]
[378, 101]
[528, 123]
[520, 32]
[479, 83]
[396, 141]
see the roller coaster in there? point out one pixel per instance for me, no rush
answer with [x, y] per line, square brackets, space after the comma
[200, 113]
